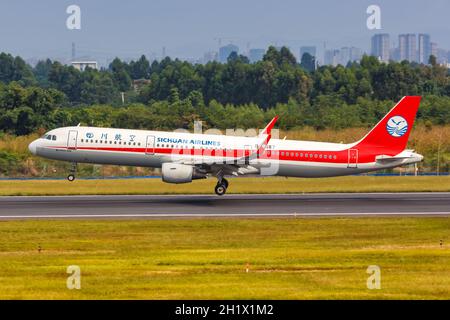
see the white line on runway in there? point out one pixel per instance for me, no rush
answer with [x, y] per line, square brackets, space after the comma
[233, 195]
[201, 215]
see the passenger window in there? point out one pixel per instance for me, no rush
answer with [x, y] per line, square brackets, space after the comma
[54, 138]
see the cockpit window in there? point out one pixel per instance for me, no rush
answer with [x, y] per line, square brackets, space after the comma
[49, 137]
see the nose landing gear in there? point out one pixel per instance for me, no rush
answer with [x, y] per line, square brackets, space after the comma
[221, 187]
[73, 170]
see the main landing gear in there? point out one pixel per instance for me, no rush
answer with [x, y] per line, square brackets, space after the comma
[221, 187]
[73, 170]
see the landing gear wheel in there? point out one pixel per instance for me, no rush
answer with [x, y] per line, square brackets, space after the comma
[70, 177]
[225, 183]
[220, 189]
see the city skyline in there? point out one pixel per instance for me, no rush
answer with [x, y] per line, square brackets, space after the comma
[411, 47]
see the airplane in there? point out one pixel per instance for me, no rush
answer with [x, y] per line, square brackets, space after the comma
[184, 157]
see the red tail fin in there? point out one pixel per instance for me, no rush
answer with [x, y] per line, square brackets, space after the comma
[391, 134]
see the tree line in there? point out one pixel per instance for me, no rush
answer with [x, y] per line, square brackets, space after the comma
[171, 94]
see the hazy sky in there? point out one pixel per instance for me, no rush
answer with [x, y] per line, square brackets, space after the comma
[188, 28]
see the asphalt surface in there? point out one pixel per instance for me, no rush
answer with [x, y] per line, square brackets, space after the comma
[188, 206]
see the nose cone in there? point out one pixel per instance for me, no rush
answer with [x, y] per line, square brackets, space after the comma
[32, 147]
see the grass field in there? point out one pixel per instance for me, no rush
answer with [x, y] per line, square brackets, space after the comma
[237, 185]
[206, 258]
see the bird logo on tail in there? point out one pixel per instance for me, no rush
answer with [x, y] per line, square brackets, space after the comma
[397, 126]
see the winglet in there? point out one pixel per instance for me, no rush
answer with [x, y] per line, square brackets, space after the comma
[265, 137]
[263, 140]
[268, 129]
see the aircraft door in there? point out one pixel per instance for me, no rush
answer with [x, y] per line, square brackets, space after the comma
[72, 140]
[150, 145]
[247, 152]
[352, 158]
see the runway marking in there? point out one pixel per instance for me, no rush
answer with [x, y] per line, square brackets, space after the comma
[231, 215]
[232, 195]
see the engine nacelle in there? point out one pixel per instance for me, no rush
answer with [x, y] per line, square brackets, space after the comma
[180, 173]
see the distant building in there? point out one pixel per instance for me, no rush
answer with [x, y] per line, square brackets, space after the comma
[73, 51]
[442, 56]
[356, 54]
[255, 55]
[407, 47]
[225, 51]
[424, 48]
[349, 54]
[381, 47]
[82, 65]
[332, 57]
[209, 56]
[434, 49]
[308, 49]
[395, 54]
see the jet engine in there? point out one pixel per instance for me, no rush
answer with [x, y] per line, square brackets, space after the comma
[180, 173]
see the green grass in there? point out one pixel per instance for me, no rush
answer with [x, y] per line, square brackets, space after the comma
[322, 258]
[237, 185]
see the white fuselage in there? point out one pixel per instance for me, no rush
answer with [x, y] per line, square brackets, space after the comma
[153, 148]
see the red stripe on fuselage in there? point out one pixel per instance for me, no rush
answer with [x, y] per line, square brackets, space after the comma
[283, 155]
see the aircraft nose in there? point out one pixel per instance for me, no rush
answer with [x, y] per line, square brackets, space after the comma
[32, 147]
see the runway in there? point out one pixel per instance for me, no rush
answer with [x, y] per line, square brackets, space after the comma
[189, 206]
